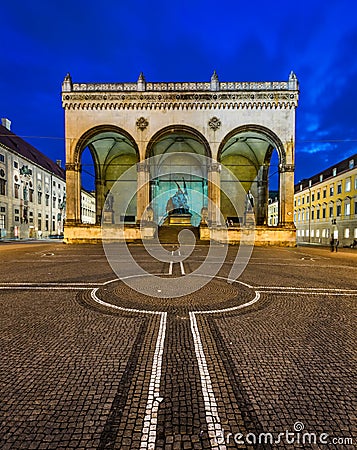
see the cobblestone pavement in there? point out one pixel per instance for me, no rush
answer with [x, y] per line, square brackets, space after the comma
[265, 362]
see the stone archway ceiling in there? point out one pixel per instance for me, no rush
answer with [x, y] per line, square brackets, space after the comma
[180, 143]
[110, 145]
[250, 145]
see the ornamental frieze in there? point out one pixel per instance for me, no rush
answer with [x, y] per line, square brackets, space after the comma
[267, 100]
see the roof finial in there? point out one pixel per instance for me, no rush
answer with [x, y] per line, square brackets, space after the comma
[214, 82]
[141, 82]
[67, 83]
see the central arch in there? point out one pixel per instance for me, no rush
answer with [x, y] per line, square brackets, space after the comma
[176, 154]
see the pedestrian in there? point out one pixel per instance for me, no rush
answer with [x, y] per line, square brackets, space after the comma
[336, 244]
[332, 244]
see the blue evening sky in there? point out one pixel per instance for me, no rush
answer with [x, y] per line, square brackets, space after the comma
[114, 40]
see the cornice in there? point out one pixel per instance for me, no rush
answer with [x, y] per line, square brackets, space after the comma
[252, 99]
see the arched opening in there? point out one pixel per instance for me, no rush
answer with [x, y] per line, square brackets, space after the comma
[273, 189]
[105, 154]
[248, 153]
[178, 164]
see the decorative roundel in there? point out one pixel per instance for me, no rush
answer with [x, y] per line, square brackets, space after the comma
[16, 178]
[2, 172]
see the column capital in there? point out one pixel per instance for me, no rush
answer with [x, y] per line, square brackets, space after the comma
[286, 168]
[142, 166]
[215, 167]
[73, 166]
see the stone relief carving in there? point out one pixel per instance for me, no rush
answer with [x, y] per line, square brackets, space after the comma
[214, 123]
[142, 123]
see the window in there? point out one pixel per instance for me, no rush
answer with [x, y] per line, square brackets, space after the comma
[53, 223]
[17, 219]
[338, 211]
[317, 233]
[318, 214]
[39, 224]
[16, 190]
[312, 233]
[307, 199]
[324, 193]
[351, 163]
[355, 234]
[321, 177]
[356, 182]
[339, 188]
[31, 195]
[347, 208]
[47, 199]
[54, 202]
[334, 171]
[313, 197]
[347, 233]
[303, 200]
[348, 184]
[46, 225]
[312, 215]
[16, 164]
[324, 213]
[318, 195]
[331, 189]
[2, 186]
[356, 207]
[2, 159]
[39, 197]
[299, 201]
[331, 211]
[17, 211]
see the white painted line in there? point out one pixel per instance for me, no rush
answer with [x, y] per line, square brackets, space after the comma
[46, 288]
[171, 263]
[182, 268]
[148, 437]
[346, 294]
[121, 308]
[212, 418]
[292, 288]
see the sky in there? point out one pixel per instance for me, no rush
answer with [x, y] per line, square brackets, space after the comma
[115, 40]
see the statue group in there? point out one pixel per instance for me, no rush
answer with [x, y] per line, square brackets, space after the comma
[177, 204]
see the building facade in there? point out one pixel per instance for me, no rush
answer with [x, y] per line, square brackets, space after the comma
[87, 207]
[163, 129]
[325, 205]
[32, 189]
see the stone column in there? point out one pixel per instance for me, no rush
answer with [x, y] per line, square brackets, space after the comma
[262, 196]
[286, 195]
[99, 199]
[73, 193]
[143, 189]
[214, 193]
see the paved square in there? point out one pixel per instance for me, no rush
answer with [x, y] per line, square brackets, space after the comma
[89, 363]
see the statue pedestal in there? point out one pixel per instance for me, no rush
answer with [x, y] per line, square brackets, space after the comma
[108, 216]
[180, 219]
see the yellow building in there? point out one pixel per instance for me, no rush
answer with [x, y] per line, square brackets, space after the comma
[325, 205]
